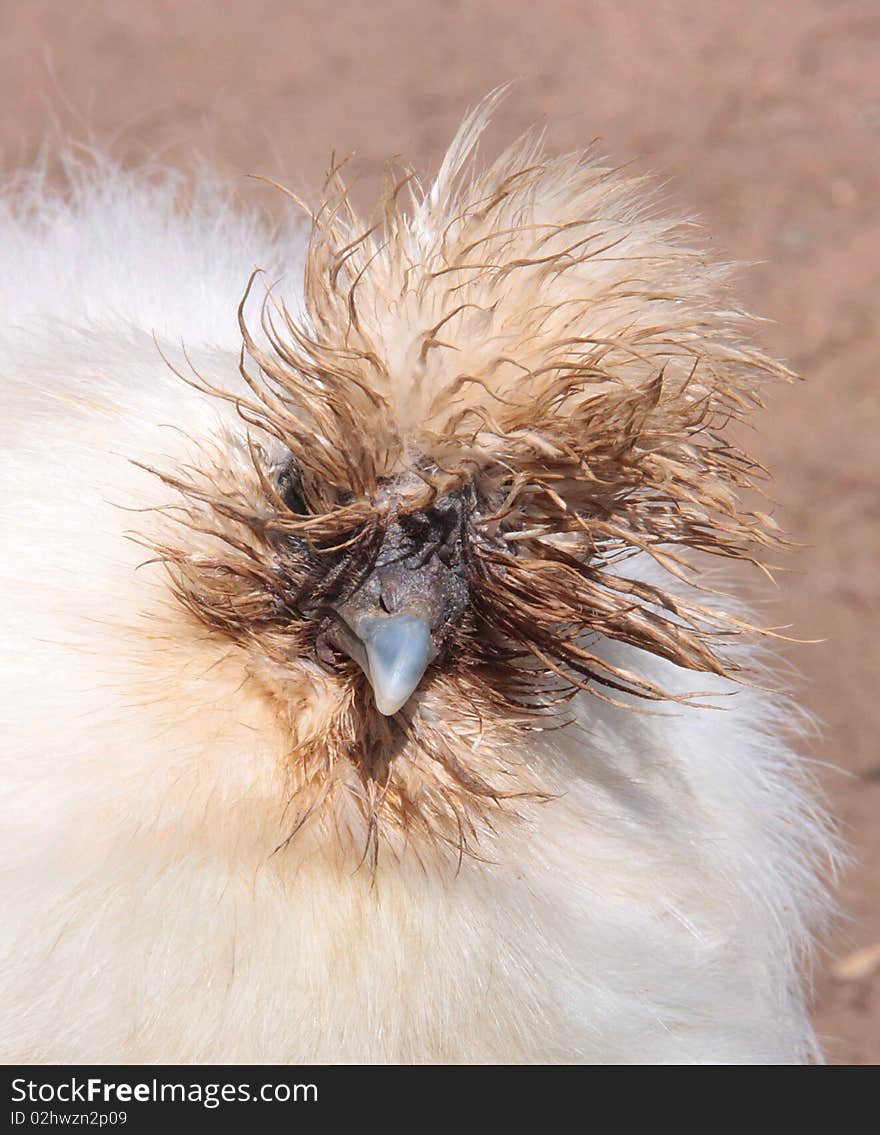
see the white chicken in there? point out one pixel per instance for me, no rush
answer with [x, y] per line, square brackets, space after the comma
[363, 699]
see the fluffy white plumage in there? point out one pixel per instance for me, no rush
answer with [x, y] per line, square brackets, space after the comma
[660, 908]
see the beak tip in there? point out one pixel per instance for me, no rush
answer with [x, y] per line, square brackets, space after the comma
[388, 707]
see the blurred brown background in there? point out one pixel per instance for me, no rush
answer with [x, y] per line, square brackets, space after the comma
[763, 118]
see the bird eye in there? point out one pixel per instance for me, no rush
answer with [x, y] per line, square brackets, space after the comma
[290, 490]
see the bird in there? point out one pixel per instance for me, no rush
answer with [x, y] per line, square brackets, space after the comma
[373, 691]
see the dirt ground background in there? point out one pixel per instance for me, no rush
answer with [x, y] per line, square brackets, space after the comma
[762, 118]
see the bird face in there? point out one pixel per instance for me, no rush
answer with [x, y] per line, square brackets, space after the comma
[394, 611]
[490, 401]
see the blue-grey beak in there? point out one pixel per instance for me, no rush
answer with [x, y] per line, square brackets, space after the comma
[397, 650]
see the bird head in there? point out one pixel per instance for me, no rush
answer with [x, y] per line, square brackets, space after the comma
[489, 401]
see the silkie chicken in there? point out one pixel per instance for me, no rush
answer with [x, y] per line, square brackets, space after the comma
[366, 694]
